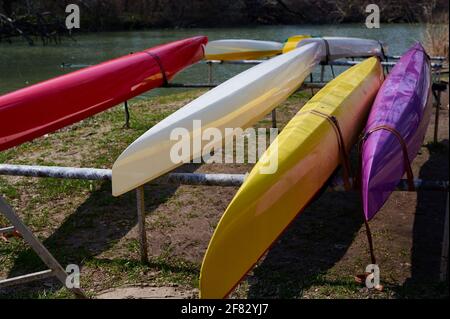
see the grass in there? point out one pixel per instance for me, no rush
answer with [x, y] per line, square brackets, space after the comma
[436, 35]
[80, 222]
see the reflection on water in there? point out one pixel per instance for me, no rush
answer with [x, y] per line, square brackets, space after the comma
[21, 65]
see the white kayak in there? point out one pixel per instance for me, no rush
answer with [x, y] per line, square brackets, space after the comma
[241, 49]
[338, 47]
[342, 47]
[237, 103]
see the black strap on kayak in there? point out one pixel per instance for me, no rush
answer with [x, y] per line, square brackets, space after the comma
[341, 145]
[327, 51]
[161, 67]
[384, 56]
[328, 56]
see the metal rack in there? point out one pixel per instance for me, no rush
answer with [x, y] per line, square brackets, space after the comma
[56, 270]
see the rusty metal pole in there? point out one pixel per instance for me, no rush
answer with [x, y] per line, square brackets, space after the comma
[274, 118]
[127, 115]
[436, 119]
[210, 73]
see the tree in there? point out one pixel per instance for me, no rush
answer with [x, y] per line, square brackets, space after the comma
[8, 7]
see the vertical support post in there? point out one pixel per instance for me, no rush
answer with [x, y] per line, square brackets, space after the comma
[322, 73]
[274, 118]
[311, 78]
[332, 71]
[436, 119]
[141, 224]
[210, 73]
[444, 255]
[37, 246]
[127, 115]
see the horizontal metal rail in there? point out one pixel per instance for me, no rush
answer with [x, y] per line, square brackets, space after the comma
[249, 62]
[176, 178]
[7, 230]
[308, 85]
[398, 57]
[389, 64]
[334, 63]
[27, 278]
[56, 172]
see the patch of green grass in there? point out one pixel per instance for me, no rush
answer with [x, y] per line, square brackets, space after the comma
[45, 294]
[7, 189]
[53, 187]
[169, 271]
[178, 97]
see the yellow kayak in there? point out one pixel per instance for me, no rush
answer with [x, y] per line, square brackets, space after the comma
[308, 154]
[293, 42]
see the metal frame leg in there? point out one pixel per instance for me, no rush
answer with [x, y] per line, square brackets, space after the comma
[141, 224]
[210, 73]
[127, 115]
[274, 118]
[436, 119]
[55, 267]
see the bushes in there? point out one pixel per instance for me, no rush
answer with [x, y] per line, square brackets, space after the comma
[134, 14]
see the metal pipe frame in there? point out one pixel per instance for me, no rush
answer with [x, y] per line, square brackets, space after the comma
[389, 57]
[171, 178]
[398, 57]
[307, 85]
[177, 178]
[331, 63]
[55, 268]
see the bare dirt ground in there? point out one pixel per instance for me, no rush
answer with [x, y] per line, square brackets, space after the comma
[317, 257]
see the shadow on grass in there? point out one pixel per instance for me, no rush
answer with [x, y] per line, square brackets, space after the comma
[318, 238]
[428, 231]
[96, 226]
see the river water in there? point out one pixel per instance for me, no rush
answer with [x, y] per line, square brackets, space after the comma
[21, 65]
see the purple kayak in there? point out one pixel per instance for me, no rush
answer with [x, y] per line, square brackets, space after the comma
[403, 107]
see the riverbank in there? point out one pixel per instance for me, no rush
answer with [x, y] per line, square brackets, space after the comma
[21, 65]
[117, 15]
[317, 257]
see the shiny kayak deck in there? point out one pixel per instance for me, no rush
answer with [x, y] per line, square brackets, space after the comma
[237, 103]
[241, 49]
[307, 154]
[404, 104]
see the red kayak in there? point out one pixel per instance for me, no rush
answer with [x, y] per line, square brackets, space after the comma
[48, 106]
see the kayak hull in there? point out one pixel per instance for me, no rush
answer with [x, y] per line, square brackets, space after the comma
[403, 103]
[237, 103]
[48, 106]
[307, 154]
[241, 49]
[343, 47]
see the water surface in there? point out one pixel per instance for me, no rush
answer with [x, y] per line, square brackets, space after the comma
[21, 65]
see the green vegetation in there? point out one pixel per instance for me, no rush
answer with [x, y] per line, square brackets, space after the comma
[80, 222]
[127, 15]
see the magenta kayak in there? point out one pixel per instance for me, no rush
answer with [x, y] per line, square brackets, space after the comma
[402, 108]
